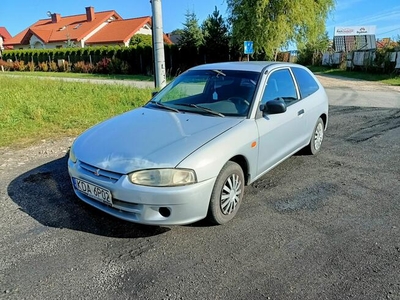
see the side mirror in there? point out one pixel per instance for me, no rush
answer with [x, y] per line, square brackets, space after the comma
[153, 94]
[276, 106]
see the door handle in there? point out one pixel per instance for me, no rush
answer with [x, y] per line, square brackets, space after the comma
[300, 112]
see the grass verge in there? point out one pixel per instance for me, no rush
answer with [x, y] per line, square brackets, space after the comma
[31, 109]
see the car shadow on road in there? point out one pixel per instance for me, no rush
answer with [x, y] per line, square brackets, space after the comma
[45, 194]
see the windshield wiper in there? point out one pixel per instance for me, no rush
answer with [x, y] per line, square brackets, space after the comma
[213, 112]
[159, 104]
[219, 72]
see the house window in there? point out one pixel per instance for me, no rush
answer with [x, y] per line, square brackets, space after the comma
[59, 46]
[38, 45]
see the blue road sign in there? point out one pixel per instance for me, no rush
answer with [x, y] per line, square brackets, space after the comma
[248, 47]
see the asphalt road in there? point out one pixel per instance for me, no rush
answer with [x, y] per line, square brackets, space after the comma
[323, 227]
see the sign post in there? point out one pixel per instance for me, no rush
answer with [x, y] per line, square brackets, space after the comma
[248, 49]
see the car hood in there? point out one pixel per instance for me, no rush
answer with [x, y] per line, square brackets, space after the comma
[147, 138]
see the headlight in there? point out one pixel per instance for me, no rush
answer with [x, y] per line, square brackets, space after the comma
[72, 156]
[163, 177]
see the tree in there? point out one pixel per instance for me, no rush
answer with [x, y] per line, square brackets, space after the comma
[141, 40]
[216, 38]
[191, 35]
[273, 24]
[311, 53]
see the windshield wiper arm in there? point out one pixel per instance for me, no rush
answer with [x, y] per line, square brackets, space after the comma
[213, 112]
[219, 72]
[159, 104]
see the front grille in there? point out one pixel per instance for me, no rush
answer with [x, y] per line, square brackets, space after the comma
[99, 173]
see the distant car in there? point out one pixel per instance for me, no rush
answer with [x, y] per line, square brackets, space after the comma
[189, 152]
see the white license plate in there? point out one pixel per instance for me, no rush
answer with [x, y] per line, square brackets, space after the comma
[94, 191]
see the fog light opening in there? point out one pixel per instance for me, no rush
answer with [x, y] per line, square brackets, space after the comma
[164, 211]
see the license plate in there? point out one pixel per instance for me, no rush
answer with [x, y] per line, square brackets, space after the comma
[94, 191]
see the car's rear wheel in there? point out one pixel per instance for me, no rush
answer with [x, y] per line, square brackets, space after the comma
[227, 194]
[316, 139]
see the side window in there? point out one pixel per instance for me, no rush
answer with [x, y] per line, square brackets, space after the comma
[307, 84]
[280, 85]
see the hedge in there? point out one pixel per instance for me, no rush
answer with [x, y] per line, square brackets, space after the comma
[105, 59]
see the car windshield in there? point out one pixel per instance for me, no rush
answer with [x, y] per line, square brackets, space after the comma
[211, 92]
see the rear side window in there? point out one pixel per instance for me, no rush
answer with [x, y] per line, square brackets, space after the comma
[305, 81]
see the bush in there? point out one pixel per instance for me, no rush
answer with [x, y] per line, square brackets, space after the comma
[82, 67]
[64, 67]
[18, 65]
[53, 66]
[31, 66]
[118, 66]
[103, 66]
[135, 60]
[125, 69]
[43, 66]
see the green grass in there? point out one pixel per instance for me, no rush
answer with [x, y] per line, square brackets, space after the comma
[31, 110]
[389, 79]
[82, 75]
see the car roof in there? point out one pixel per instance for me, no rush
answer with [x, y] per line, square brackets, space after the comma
[255, 66]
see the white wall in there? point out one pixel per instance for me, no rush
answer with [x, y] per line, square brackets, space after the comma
[145, 30]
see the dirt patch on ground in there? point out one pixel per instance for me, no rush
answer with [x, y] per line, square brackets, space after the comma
[14, 158]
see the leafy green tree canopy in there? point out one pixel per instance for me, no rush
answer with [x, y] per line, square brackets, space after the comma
[141, 40]
[216, 38]
[191, 35]
[273, 24]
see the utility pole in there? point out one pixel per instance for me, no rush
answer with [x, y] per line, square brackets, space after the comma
[158, 44]
[1, 52]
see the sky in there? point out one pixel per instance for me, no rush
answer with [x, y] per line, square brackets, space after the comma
[18, 15]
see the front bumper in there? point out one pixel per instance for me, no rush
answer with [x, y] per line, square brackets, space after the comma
[148, 205]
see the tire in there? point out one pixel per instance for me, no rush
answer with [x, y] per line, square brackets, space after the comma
[227, 194]
[316, 139]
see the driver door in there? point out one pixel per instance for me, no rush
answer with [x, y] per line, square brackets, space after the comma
[280, 134]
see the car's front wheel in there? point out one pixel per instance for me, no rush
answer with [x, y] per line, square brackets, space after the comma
[316, 139]
[227, 194]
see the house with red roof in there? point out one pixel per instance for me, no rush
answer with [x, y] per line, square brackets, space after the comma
[104, 28]
[4, 37]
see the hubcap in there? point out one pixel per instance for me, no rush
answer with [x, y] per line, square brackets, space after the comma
[319, 136]
[231, 194]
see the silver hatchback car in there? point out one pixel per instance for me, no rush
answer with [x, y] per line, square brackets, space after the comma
[190, 151]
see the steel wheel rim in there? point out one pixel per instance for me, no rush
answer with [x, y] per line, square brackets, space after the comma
[319, 136]
[231, 193]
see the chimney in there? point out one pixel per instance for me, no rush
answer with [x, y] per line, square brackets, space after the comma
[55, 18]
[90, 13]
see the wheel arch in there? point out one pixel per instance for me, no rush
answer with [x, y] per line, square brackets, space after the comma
[244, 164]
[324, 118]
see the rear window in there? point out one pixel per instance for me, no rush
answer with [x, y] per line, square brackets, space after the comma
[305, 81]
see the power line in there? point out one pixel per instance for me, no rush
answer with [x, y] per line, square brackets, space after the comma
[389, 31]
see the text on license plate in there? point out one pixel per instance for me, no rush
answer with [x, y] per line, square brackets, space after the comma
[93, 191]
